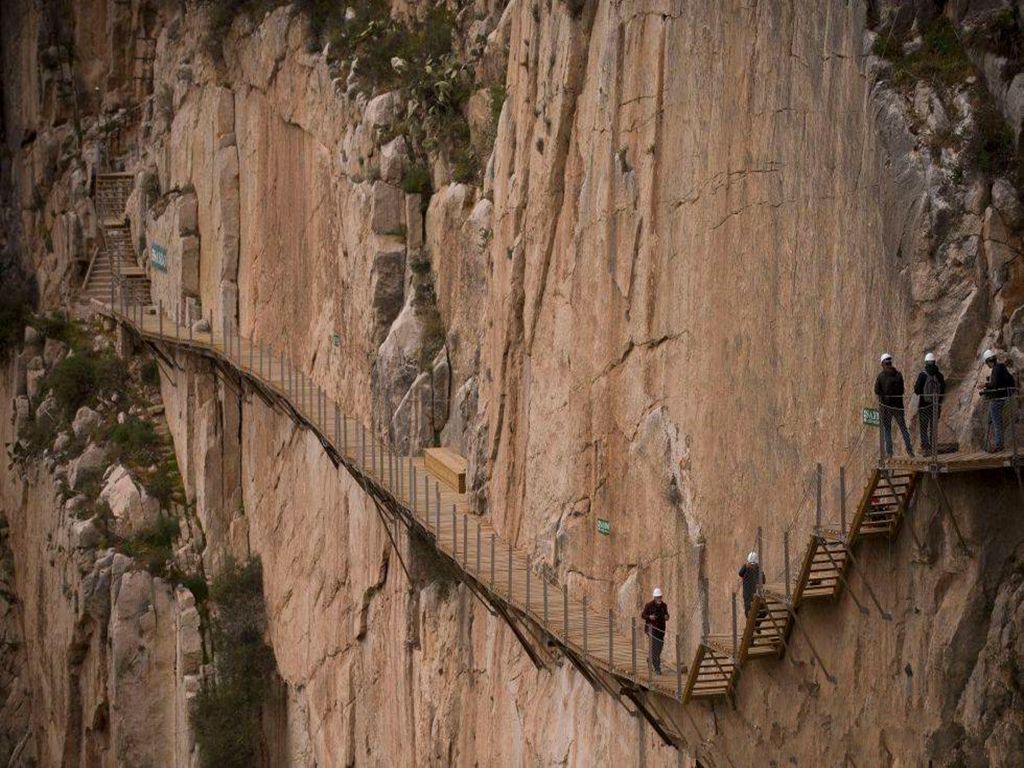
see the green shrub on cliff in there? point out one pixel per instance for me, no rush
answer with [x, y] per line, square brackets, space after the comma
[228, 711]
[79, 379]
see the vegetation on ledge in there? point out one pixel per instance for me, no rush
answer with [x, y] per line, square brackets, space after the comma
[228, 711]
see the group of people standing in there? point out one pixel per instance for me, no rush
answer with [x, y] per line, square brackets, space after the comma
[930, 389]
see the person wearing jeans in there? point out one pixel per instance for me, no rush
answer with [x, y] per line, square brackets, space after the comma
[889, 389]
[997, 389]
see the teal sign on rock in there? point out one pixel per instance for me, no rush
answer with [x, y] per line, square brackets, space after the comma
[158, 257]
[604, 527]
[870, 416]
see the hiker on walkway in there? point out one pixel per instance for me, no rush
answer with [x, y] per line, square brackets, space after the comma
[889, 388]
[655, 614]
[997, 389]
[930, 388]
[752, 580]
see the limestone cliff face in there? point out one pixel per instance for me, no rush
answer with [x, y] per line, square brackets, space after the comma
[659, 305]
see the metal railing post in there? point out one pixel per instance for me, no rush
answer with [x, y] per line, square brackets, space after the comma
[250, 351]
[565, 611]
[510, 572]
[373, 446]
[478, 534]
[494, 583]
[611, 641]
[437, 514]
[842, 500]
[465, 537]
[544, 597]
[584, 625]
[735, 629]
[412, 495]
[160, 316]
[817, 499]
[632, 643]
[455, 535]
[177, 320]
[881, 437]
[337, 424]
[528, 569]
[1013, 426]
[785, 554]
[679, 667]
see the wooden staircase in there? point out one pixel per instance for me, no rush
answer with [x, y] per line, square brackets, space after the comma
[714, 670]
[822, 574]
[111, 197]
[116, 254]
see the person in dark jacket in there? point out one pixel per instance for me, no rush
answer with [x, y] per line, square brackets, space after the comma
[655, 614]
[889, 389]
[930, 388]
[752, 580]
[997, 389]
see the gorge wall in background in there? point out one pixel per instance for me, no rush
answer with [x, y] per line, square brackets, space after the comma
[647, 282]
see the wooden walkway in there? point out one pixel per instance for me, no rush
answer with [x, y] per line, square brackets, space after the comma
[445, 516]
[609, 651]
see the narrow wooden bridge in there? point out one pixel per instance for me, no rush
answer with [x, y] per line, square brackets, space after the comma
[610, 652]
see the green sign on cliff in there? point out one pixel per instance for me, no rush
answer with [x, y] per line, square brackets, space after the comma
[158, 257]
[870, 416]
[604, 527]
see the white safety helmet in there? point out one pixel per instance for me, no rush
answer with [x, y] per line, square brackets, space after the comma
[752, 558]
[657, 591]
[988, 355]
[885, 358]
[929, 358]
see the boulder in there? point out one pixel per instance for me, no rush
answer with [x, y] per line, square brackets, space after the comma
[86, 422]
[62, 442]
[53, 352]
[382, 110]
[85, 534]
[394, 160]
[32, 337]
[91, 462]
[74, 504]
[388, 209]
[202, 325]
[133, 509]
[1007, 202]
[33, 378]
[190, 641]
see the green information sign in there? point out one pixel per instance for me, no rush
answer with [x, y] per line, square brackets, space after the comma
[158, 257]
[604, 527]
[870, 416]
[336, 340]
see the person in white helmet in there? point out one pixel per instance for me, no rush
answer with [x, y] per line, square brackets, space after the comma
[999, 387]
[655, 614]
[752, 580]
[889, 389]
[930, 388]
